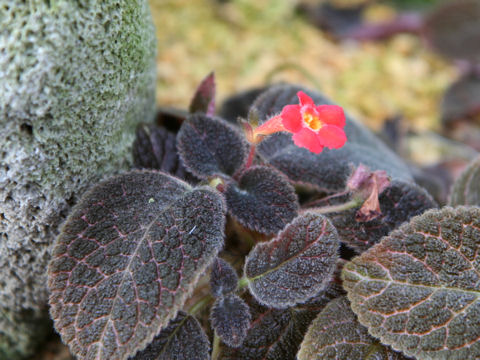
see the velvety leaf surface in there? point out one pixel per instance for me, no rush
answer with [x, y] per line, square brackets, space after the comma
[398, 203]
[295, 265]
[462, 99]
[466, 189]
[155, 148]
[204, 98]
[453, 28]
[230, 318]
[263, 200]
[329, 170]
[182, 339]
[239, 104]
[336, 334]
[418, 289]
[127, 258]
[223, 278]
[210, 146]
[276, 334]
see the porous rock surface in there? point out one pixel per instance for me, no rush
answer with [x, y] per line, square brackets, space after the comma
[75, 79]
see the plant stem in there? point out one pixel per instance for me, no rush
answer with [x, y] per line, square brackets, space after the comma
[336, 208]
[243, 282]
[251, 156]
[200, 304]
[216, 346]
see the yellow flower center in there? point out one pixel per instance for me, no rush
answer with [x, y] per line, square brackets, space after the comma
[312, 121]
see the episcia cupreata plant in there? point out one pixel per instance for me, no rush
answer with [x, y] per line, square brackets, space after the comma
[146, 265]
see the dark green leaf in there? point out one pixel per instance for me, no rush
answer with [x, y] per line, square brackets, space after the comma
[418, 289]
[127, 258]
[296, 265]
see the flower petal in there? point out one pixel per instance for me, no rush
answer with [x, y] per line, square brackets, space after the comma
[308, 139]
[332, 136]
[331, 114]
[271, 126]
[291, 118]
[304, 99]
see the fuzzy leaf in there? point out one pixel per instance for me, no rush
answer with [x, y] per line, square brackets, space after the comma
[182, 339]
[127, 258]
[223, 278]
[418, 289]
[210, 146]
[296, 265]
[263, 200]
[466, 189]
[230, 318]
[155, 148]
[276, 334]
[453, 28]
[329, 170]
[336, 334]
[238, 105]
[204, 98]
[398, 203]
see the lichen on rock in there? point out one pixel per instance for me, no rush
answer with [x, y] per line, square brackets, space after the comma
[75, 79]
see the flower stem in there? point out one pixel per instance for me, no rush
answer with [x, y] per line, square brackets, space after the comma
[216, 346]
[251, 156]
[336, 208]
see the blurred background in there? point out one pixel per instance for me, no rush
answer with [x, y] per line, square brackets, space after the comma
[250, 43]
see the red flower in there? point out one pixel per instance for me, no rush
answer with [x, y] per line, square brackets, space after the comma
[313, 126]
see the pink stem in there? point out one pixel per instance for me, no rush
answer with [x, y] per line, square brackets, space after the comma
[251, 156]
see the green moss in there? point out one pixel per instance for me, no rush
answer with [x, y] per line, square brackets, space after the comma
[77, 76]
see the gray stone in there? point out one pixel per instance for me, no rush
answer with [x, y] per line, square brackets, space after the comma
[75, 79]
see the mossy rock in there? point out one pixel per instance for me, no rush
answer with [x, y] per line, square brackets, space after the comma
[76, 78]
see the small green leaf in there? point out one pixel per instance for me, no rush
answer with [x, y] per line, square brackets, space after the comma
[296, 265]
[418, 290]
